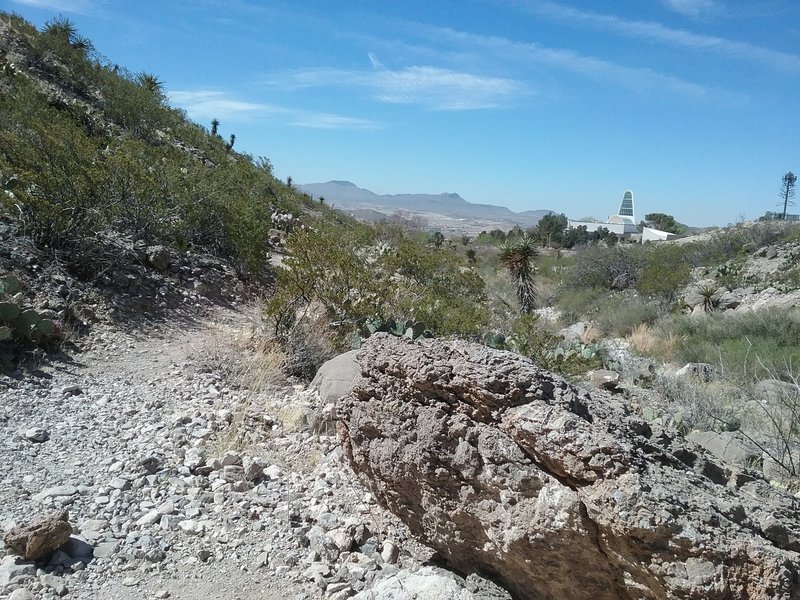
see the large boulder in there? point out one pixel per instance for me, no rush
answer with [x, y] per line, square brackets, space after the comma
[508, 471]
[431, 583]
[336, 377]
[40, 537]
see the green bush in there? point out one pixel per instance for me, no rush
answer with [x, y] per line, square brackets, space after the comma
[746, 345]
[361, 274]
[664, 272]
[21, 326]
[528, 336]
[599, 267]
[110, 154]
[619, 314]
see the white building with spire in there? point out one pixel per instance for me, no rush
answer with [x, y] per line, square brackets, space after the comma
[623, 224]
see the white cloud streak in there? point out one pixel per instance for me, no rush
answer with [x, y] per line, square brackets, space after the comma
[373, 60]
[205, 105]
[329, 121]
[82, 7]
[208, 104]
[529, 53]
[430, 87]
[669, 36]
[692, 8]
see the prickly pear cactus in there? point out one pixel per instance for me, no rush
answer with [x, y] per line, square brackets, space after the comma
[18, 323]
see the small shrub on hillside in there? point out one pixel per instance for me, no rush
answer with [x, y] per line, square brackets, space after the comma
[652, 342]
[765, 412]
[617, 315]
[665, 271]
[599, 267]
[747, 345]
[21, 326]
[713, 406]
[360, 274]
[576, 304]
[309, 343]
[529, 337]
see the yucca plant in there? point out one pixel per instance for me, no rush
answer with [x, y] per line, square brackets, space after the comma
[710, 297]
[517, 257]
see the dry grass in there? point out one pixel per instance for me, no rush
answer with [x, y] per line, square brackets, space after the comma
[251, 363]
[590, 334]
[654, 343]
[244, 354]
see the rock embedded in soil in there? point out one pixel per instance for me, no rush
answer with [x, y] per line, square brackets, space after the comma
[507, 470]
[40, 537]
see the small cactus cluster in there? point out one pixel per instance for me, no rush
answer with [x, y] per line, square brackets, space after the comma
[676, 421]
[408, 329]
[17, 322]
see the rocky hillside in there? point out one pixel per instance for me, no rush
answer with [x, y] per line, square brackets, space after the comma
[88, 149]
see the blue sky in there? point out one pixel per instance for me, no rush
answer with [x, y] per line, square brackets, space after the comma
[692, 104]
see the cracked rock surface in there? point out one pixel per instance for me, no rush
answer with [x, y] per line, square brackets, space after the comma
[508, 471]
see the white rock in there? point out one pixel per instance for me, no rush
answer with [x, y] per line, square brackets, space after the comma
[149, 518]
[191, 527]
[37, 435]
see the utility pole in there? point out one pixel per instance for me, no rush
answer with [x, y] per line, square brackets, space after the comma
[787, 190]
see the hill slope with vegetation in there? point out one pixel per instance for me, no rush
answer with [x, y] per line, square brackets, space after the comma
[86, 147]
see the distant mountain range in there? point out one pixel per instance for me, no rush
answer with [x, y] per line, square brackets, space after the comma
[446, 211]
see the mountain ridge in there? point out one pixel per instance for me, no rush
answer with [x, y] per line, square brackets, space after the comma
[348, 196]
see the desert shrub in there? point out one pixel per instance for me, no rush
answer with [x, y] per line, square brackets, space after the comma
[576, 303]
[651, 341]
[308, 344]
[600, 267]
[58, 194]
[618, 314]
[22, 327]
[529, 336]
[765, 412]
[359, 273]
[748, 344]
[715, 405]
[665, 270]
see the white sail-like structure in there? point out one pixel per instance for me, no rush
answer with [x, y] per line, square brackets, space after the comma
[626, 212]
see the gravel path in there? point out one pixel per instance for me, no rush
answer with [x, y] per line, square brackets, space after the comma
[178, 484]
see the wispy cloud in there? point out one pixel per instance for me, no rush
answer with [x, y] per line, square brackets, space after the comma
[81, 7]
[208, 104]
[328, 121]
[529, 53]
[205, 105]
[692, 8]
[373, 60]
[649, 30]
[430, 87]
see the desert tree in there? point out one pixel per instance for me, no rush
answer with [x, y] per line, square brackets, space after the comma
[550, 229]
[517, 258]
[214, 127]
[787, 191]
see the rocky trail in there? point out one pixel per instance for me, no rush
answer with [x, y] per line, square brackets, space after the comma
[143, 445]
